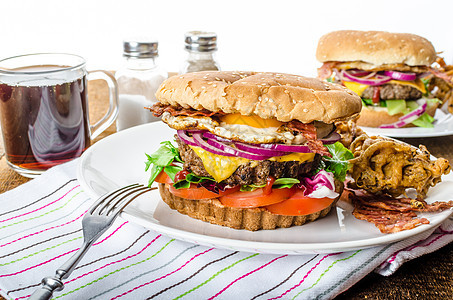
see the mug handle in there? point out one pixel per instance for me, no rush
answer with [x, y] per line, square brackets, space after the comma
[112, 112]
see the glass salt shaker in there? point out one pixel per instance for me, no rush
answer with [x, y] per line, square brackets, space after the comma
[138, 81]
[201, 48]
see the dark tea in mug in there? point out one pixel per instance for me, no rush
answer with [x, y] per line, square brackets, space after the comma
[44, 121]
[44, 110]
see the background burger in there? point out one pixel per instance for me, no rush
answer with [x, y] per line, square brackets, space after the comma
[254, 150]
[390, 71]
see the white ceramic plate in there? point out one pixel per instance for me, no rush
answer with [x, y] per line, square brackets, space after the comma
[443, 125]
[118, 160]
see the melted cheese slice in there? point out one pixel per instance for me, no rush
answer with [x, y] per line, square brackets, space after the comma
[359, 88]
[221, 167]
[254, 121]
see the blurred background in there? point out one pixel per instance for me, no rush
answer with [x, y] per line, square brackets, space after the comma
[263, 35]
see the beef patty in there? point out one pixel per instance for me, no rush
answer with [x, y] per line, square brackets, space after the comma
[249, 173]
[394, 91]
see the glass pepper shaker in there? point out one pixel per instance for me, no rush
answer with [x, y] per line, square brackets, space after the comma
[138, 81]
[201, 48]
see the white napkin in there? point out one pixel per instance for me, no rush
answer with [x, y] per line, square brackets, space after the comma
[40, 228]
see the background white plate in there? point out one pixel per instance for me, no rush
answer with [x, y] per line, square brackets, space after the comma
[119, 160]
[442, 126]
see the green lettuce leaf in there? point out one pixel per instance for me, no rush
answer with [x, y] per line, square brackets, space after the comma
[396, 107]
[338, 164]
[369, 102]
[425, 120]
[426, 84]
[162, 160]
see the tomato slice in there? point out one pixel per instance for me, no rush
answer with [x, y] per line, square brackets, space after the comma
[299, 205]
[199, 193]
[256, 198]
[163, 178]
[193, 192]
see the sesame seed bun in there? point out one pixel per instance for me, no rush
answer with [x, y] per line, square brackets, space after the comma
[267, 95]
[375, 48]
[375, 117]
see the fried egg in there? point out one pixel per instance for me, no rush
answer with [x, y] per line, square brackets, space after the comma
[234, 127]
[249, 129]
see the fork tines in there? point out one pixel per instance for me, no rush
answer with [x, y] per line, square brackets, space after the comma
[115, 201]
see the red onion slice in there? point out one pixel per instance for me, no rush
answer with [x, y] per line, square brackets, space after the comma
[380, 79]
[416, 112]
[209, 135]
[360, 73]
[331, 138]
[409, 118]
[237, 152]
[401, 76]
[397, 124]
[197, 137]
[220, 148]
[185, 138]
[287, 148]
[258, 150]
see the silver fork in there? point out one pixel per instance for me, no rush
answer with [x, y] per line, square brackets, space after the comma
[96, 221]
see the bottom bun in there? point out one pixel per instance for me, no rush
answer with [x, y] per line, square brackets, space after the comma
[212, 211]
[375, 117]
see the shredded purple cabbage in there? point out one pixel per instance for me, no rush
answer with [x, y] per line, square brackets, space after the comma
[322, 178]
[213, 186]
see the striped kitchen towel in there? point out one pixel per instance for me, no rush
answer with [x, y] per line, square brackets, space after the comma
[40, 228]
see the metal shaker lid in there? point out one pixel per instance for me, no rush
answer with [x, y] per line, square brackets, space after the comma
[201, 41]
[140, 48]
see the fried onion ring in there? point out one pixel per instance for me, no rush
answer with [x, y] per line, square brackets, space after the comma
[388, 166]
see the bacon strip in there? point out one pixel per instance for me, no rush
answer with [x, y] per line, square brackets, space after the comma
[440, 74]
[158, 109]
[391, 214]
[325, 71]
[308, 131]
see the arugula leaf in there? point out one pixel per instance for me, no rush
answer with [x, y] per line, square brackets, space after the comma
[279, 183]
[337, 164]
[162, 160]
[250, 188]
[155, 170]
[171, 171]
[190, 178]
[182, 184]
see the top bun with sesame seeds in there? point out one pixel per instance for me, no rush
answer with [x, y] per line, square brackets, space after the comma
[277, 96]
[375, 48]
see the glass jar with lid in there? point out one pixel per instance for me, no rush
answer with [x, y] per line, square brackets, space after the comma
[201, 48]
[138, 81]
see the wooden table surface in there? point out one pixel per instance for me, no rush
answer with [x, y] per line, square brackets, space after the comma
[427, 277]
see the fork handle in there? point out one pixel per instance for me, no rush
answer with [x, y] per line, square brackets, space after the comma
[51, 284]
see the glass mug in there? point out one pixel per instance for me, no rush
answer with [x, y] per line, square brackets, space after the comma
[44, 110]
